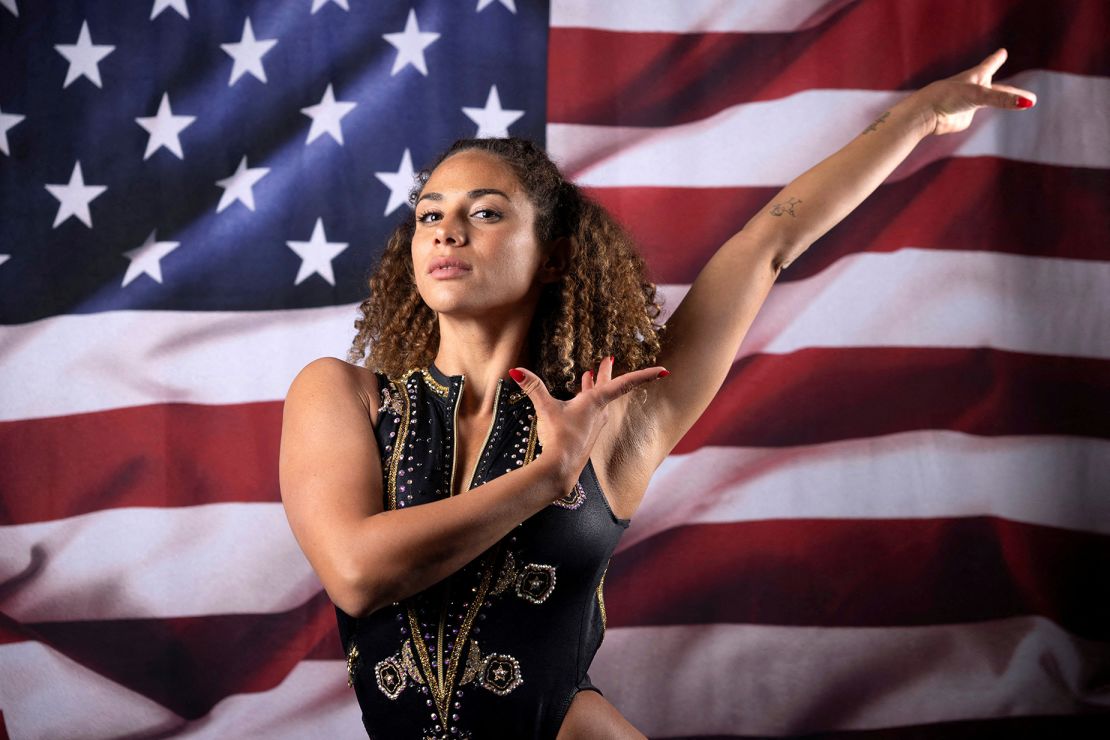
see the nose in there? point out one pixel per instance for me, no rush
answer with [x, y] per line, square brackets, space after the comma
[450, 232]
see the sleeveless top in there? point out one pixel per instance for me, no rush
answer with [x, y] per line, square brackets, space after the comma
[500, 647]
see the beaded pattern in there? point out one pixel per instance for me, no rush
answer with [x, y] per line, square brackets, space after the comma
[574, 498]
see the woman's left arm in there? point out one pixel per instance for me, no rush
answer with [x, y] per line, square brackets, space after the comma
[704, 333]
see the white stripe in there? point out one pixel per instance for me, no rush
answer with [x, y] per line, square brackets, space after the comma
[44, 694]
[1050, 481]
[693, 16]
[933, 298]
[909, 298]
[773, 681]
[81, 363]
[770, 143]
[241, 558]
[175, 562]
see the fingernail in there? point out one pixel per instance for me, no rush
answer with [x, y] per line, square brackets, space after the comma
[516, 375]
[611, 360]
[663, 373]
[1023, 102]
[590, 373]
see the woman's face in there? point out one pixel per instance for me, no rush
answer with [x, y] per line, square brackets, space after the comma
[474, 249]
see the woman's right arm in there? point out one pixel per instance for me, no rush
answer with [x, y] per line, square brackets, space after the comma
[331, 485]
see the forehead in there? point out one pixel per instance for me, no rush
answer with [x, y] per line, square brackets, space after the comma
[472, 169]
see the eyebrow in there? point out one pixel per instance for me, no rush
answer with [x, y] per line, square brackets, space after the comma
[476, 193]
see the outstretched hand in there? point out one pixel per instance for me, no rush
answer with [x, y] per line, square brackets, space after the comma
[568, 429]
[952, 102]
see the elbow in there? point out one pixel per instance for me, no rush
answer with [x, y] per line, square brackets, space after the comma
[360, 593]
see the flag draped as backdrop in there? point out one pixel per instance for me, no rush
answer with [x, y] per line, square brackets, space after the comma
[893, 522]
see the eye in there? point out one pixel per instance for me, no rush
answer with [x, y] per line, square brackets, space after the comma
[487, 214]
[428, 217]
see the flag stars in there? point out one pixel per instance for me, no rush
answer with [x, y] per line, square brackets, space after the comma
[483, 4]
[74, 197]
[317, 4]
[238, 186]
[326, 116]
[399, 183]
[83, 57]
[4, 258]
[146, 260]
[410, 45]
[493, 120]
[11, 7]
[316, 255]
[164, 129]
[247, 54]
[178, 5]
[7, 121]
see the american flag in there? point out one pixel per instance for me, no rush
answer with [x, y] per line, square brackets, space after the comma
[893, 522]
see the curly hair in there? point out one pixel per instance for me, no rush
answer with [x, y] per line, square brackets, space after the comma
[603, 304]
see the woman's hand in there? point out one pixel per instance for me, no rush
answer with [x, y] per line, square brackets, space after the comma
[949, 104]
[568, 429]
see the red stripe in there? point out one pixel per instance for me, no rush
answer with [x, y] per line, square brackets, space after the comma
[971, 204]
[214, 454]
[662, 79]
[862, 573]
[188, 664]
[822, 395]
[160, 455]
[1072, 727]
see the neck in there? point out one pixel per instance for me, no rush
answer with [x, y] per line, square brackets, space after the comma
[483, 350]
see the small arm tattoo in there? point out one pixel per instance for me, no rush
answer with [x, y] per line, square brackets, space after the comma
[788, 207]
[875, 125]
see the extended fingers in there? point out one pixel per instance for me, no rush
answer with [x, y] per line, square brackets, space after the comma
[991, 64]
[1006, 96]
[623, 384]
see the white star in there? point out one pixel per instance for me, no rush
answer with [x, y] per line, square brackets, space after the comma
[7, 120]
[83, 57]
[4, 258]
[247, 54]
[317, 4]
[74, 197]
[483, 4]
[492, 120]
[326, 116]
[238, 186]
[410, 45]
[164, 129]
[160, 5]
[10, 5]
[147, 259]
[316, 255]
[399, 183]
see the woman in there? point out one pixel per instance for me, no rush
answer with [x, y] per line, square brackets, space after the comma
[477, 615]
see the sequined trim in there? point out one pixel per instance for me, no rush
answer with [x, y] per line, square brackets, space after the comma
[435, 385]
[574, 498]
[501, 674]
[507, 576]
[497, 672]
[352, 664]
[601, 597]
[390, 401]
[398, 444]
[390, 675]
[535, 582]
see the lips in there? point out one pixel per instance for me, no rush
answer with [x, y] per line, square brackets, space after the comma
[447, 264]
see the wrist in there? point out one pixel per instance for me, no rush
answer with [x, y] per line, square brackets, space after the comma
[919, 113]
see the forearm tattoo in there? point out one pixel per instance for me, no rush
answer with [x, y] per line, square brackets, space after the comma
[788, 207]
[874, 126]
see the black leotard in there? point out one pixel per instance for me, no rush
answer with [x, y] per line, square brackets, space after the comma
[499, 648]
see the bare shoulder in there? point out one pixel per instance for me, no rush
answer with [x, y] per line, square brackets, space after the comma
[330, 375]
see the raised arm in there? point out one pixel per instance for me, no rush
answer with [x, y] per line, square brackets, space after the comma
[704, 333]
[331, 485]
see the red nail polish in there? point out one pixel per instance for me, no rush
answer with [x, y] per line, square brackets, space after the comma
[611, 360]
[663, 373]
[1023, 102]
[516, 375]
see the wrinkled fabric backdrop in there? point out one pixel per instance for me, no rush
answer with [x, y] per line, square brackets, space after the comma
[894, 521]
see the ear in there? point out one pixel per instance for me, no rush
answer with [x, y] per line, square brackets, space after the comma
[555, 261]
